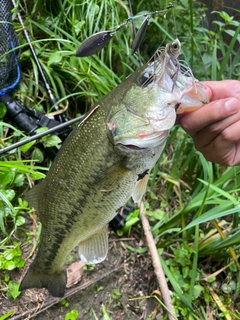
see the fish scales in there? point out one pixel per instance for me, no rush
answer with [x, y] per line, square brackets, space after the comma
[94, 194]
[104, 161]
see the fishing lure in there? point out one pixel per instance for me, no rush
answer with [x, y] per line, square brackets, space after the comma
[140, 34]
[99, 40]
[93, 44]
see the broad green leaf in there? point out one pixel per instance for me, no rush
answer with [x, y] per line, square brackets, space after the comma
[27, 146]
[51, 141]
[13, 289]
[37, 155]
[6, 177]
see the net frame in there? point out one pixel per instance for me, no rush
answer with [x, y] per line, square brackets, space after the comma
[9, 53]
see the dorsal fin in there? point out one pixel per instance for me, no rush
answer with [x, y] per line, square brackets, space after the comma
[32, 196]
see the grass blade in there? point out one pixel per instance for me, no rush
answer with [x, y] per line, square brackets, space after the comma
[228, 53]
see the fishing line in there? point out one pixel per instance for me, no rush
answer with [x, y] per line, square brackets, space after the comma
[192, 31]
[134, 32]
[174, 23]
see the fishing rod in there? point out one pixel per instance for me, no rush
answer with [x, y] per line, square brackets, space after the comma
[57, 128]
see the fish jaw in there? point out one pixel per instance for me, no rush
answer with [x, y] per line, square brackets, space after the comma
[192, 99]
[188, 92]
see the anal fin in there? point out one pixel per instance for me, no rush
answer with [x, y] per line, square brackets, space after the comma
[94, 250]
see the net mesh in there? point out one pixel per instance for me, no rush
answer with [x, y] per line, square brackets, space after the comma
[9, 61]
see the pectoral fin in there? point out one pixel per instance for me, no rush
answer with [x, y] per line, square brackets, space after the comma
[94, 249]
[140, 189]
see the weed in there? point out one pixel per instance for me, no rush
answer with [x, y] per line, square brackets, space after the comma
[72, 315]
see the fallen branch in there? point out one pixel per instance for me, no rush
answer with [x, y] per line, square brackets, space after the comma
[157, 265]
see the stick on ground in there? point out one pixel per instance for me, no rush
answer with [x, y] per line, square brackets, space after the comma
[157, 265]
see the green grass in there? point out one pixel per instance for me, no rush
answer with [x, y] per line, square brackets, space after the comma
[192, 204]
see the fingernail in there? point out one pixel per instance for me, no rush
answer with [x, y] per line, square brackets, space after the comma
[232, 105]
[207, 91]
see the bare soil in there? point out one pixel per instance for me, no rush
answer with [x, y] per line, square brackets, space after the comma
[122, 277]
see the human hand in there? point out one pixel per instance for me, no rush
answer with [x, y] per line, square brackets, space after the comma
[215, 128]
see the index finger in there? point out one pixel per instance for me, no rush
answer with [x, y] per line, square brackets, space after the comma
[209, 114]
[223, 89]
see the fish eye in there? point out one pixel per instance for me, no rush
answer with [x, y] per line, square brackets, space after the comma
[175, 46]
[145, 79]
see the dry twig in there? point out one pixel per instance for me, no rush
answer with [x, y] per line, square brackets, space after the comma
[157, 265]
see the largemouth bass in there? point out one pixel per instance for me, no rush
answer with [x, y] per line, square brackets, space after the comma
[106, 160]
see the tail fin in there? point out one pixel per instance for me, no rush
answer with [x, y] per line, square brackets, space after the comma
[55, 283]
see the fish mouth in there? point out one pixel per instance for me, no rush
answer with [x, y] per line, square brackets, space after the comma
[130, 149]
[191, 99]
[144, 144]
[133, 147]
[177, 105]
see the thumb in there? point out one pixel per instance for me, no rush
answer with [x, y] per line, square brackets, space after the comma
[207, 89]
